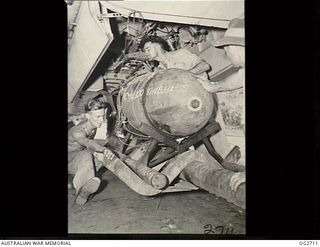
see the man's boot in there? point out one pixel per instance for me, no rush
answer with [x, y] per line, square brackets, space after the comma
[87, 189]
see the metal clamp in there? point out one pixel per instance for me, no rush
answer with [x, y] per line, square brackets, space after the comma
[109, 15]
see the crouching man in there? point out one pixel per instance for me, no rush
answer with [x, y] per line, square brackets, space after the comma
[81, 147]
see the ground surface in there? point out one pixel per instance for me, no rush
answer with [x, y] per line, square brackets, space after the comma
[117, 209]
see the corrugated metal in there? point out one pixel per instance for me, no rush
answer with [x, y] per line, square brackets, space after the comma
[206, 13]
[90, 39]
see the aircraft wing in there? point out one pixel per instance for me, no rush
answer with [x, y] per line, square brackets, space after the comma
[206, 13]
[90, 39]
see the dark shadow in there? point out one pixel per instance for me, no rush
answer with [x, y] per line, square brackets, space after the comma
[104, 183]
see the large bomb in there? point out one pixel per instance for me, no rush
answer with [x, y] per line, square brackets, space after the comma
[172, 101]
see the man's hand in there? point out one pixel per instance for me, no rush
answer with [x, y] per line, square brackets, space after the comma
[237, 179]
[108, 154]
[148, 66]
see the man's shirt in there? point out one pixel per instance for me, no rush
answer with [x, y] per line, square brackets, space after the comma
[182, 59]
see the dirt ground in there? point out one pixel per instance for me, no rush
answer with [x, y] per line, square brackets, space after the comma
[117, 209]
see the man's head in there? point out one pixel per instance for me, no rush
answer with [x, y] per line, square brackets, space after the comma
[233, 42]
[96, 112]
[153, 46]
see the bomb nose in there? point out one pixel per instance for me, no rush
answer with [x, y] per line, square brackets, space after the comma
[195, 104]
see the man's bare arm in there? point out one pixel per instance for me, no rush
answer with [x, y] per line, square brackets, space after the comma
[225, 86]
[200, 68]
[80, 137]
[233, 82]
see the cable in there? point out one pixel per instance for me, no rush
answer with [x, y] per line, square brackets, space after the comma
[95, 19]
[159, 29]
[128, 25]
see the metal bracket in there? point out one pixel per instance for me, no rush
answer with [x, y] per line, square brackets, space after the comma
[109, 15]
[150, 131]
[211, 128]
